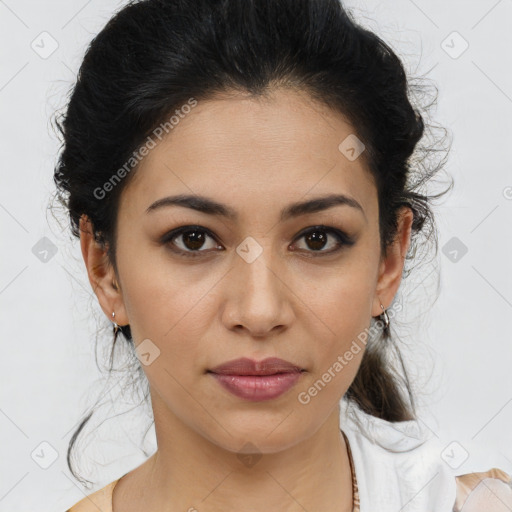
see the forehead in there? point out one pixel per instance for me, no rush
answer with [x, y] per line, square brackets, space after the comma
[236, 148]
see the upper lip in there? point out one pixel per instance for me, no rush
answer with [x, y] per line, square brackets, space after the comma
[245, 366]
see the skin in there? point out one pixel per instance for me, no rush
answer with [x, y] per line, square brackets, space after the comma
[256, 156]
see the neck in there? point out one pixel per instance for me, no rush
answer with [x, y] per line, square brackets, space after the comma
[194, 474]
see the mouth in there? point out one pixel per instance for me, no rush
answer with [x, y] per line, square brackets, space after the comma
[245, 366]
[257, 381]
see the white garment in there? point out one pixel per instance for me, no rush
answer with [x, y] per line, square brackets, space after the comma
[398, 466]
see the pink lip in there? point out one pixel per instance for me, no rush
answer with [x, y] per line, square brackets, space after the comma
[257, 381]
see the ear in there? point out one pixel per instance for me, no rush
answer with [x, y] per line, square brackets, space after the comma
[101, 274]
[391, 266]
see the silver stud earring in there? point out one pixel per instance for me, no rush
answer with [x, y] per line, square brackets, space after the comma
[384, 317]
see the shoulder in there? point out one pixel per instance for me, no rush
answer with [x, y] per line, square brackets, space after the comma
[400, 461]
[405, 458]
[484, 491]
[98, 500]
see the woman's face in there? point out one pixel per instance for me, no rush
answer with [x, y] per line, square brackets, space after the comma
[256, 284]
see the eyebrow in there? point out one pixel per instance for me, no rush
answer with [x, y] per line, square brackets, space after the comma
[209, 206]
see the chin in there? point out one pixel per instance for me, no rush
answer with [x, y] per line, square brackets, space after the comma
[258, 436]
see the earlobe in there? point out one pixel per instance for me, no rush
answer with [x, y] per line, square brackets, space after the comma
[101, 273]
[391, 266]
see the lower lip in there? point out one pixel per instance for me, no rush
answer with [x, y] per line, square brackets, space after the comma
[258, 388]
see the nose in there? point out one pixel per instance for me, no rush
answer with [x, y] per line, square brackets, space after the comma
[258, 298]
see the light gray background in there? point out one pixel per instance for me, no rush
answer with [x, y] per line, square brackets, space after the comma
[460, 347]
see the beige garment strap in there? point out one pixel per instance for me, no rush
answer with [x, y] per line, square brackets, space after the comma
[467, 483]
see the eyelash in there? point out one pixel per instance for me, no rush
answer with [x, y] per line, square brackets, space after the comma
[343, 239]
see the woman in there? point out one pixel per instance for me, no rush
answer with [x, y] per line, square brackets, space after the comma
[240, 176]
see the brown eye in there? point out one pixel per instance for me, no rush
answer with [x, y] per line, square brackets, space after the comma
[317, 238]
[193, 240]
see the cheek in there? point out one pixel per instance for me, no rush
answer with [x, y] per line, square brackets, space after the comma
[341, 297]
[161, 297]
[340, 308]
[339, 343]
[346, 316]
